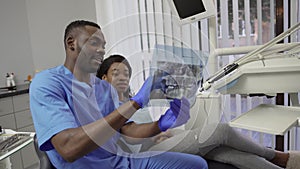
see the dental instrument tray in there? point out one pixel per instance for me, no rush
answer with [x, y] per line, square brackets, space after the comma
[268, 118]
[269, 76]
[10, 142]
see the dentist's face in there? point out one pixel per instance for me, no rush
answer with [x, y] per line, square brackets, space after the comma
[91, 49]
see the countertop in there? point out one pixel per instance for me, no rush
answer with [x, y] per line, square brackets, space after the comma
[20, 89]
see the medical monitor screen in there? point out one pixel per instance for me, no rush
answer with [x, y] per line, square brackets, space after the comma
[189, 11]
[188, 8]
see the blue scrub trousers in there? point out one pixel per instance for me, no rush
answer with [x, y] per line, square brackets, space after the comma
[169, 160]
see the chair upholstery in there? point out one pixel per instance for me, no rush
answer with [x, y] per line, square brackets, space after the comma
[218, 165]
[44, 160]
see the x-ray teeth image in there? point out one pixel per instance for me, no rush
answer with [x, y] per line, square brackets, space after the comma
[181, 75]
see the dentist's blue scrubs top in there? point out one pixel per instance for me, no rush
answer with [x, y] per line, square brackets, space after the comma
[58, 101]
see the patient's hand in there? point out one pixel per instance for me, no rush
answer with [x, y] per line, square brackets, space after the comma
[162, 136]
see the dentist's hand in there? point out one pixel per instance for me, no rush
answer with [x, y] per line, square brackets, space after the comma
[177, 115]
[143, 95]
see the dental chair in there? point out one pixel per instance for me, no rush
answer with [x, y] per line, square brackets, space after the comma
[211, 163]
[44, 160]
[198, 118]
[205, 110]
[218, 165]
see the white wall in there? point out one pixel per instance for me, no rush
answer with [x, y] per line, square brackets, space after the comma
[47, 21]
[31, 33]
[15, 47]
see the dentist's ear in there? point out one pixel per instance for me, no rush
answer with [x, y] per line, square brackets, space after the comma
[104, 77]
[70, 42]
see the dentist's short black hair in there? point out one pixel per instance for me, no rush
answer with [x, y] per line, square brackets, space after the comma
[78, 24]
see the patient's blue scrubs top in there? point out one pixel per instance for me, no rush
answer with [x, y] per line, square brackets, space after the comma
[58, 101]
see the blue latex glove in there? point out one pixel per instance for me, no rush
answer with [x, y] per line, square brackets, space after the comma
[143, 95]
[177, 115]
[158, 80]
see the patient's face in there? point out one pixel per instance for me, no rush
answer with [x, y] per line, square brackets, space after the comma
[118, 76]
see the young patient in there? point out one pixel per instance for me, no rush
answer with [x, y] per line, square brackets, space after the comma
[225, 144]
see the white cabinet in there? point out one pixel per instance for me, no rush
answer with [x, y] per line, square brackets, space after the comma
[15, 114]
[21, 102]
[8, 121]
[6, 106]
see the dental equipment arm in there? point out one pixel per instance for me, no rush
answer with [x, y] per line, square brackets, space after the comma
[248, 57]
